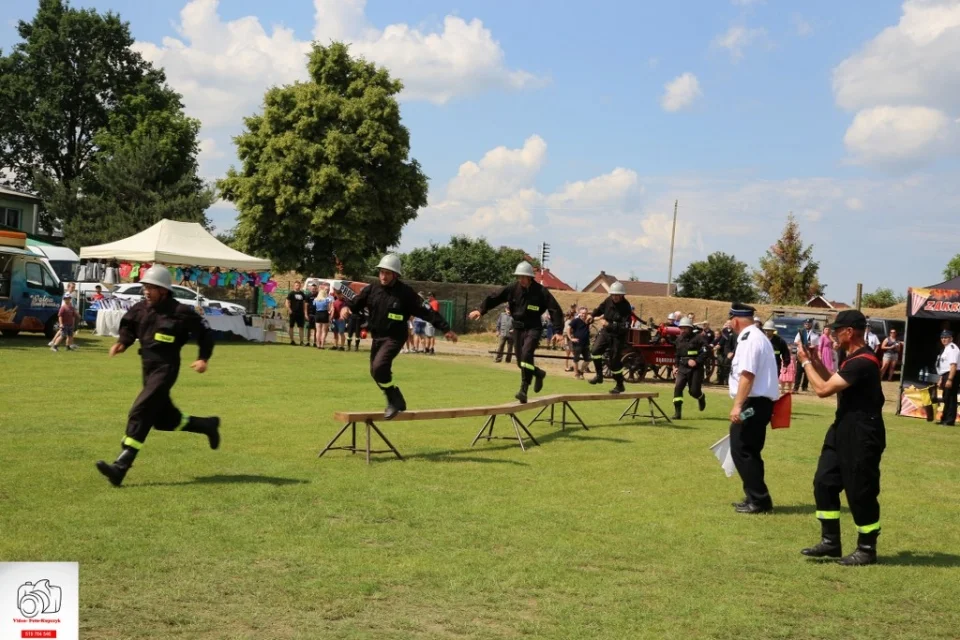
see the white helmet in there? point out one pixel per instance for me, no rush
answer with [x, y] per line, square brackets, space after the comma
[525, 269]
[617, 289]
[670, 316]
[159, 276]
[390, 262]
[769, 325]
[685, 322]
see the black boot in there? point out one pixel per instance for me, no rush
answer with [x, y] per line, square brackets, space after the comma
[116, 472]
[522, 394]
[702, 401]
[829, 545]
[866, 552]
[598, 377]
[395, 403]
[538, 376]
[209, 427]
[677, 410]
[618, 388]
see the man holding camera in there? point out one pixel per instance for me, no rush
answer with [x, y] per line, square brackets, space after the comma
[850, 457]
[754, 388]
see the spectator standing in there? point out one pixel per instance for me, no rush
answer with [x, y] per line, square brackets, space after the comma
[354, 331]
[827, 351]
[296, 301]
[311, 327]
[548, 329]
[567, 344]
[505, 333]
[947, 363]
[579, 333]
[97, 294]
[813, 342]
[890, 348]
[339, 326]
[68, 317]
[321, 306]
[870, 338]
[70, 291]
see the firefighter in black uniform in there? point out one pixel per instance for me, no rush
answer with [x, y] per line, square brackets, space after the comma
[527, 300]
[616, 312]
[389, 303]
[163, 326]
[725, 346]
[781, 350]
[691, 352]
[850, 457]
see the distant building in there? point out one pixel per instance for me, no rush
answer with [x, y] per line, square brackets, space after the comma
[19, 211]
[601, 284]
[550, 281]
[819, 302]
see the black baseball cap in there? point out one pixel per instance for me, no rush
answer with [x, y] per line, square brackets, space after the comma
[849, 318]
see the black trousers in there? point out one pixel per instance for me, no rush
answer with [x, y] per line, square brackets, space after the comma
[581, 351]
[608, 345]
[723, 370]
[949, 399]
[525, 343]
[746, 444]
[850, 462]
[353, 327]
[687, 377]
[801, 378]
[153, 408]
[382, 353]
[505, 341]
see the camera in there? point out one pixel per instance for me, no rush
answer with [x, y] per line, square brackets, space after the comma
[34, 599]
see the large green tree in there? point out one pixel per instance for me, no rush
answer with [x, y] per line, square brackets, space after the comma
[881, 299]
[73, 91]
[952, 270]
[788, 274]
[719, 277]
[130, 190]
[325, 168]
[467, 260]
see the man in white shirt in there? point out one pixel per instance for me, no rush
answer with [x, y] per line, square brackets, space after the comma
[813, 340]
[870, 338]
[754, 388]
[947, 363]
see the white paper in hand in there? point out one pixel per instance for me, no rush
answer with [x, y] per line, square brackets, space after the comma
[721, 449]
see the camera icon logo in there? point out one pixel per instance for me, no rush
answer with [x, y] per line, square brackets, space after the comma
[34, 599]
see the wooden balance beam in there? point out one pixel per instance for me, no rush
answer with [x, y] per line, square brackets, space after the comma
[351, 418]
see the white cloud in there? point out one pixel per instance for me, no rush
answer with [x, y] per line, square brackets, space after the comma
[802, 27]
[681, 92]
[747, 3]
[499, 173]
[905, 87]
[209, 152]
[737, 38]
[223, 68]
[900, 136]
[602, 191]
[854, 204]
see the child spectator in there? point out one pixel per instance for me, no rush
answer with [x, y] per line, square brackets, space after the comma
[68, 317]
[338, 326]
[579, 333]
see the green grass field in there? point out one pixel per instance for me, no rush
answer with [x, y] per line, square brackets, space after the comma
[624, 531]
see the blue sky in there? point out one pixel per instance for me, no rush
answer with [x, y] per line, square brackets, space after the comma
[548, 121]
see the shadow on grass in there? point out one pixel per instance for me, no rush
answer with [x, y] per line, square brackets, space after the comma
[644, 422]
[228, 479]
[453, 456]
[802, 509]
[920, 559]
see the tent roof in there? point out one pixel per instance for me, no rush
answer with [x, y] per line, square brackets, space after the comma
[953, 283]
[171, 242]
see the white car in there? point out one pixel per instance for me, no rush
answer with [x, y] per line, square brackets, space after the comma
[183, 295]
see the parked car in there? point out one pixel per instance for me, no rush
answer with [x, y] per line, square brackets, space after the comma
[882, 326]
[183, 295]
[788, 328]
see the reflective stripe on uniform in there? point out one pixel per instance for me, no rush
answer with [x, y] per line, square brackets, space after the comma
[828, 515]
[678, 400]
[692, 353]
[870, 528]
[133, 444]
[163, 337]
[599, 356]
[183, 423]
[395, 316]
[527, 365]
[617, 372]
[532, 307]
[385, 385]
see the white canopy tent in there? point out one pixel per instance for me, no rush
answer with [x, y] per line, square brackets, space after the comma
[176, 243]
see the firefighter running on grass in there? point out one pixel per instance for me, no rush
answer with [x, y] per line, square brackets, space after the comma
[163, 326]
[527, 300]
[389, 303]
[616, 312]
[692, 350]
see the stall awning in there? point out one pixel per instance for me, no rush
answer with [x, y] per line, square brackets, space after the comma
[170, 242]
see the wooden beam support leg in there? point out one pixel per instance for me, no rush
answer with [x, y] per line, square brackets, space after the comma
[536, 418]
[576, 415]
[631, 411]
[518, 423]
[337, 437]
[370, 425]
[653, 417]
[488, 423]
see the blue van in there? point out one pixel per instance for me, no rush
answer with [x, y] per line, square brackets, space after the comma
[30, 293]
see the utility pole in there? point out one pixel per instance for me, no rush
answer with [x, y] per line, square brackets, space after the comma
[859, 295]
[544, 255]
[673, 235]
